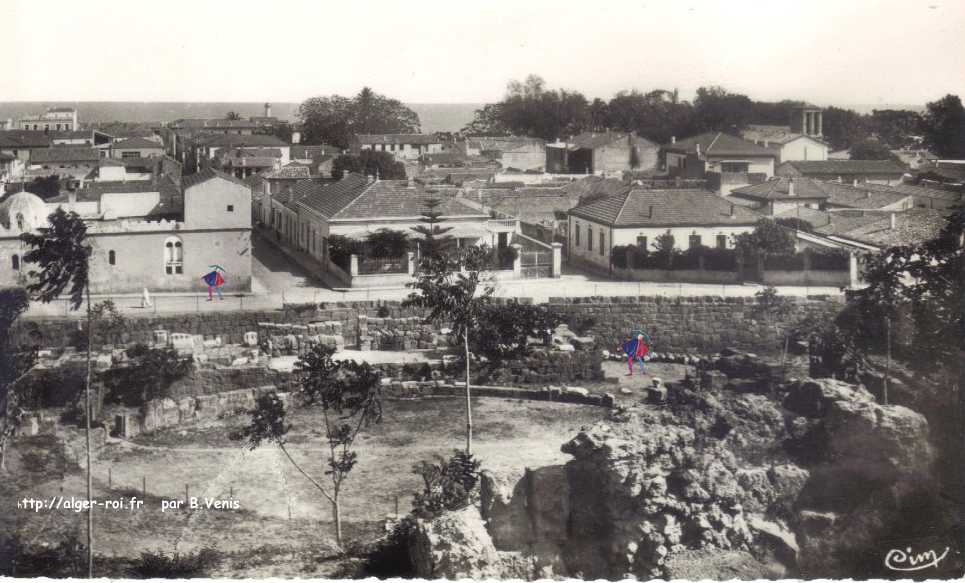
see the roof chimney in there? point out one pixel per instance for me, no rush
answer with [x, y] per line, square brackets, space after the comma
[767, 143]
[855, 183]
[698, 149]
[673, 139]
[892, 221]
[733, 211]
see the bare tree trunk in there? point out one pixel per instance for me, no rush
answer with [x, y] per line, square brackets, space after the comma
[465, 338]
[87, 415]
[337, 514]
[884, 393]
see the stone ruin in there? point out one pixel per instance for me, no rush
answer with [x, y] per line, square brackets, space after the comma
[795, 478]
[397, 334]
[295, 339]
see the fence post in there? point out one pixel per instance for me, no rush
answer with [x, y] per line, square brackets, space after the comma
[144, 487]
[110, 481]
[242, 301]
[186, 497]
[197, 303]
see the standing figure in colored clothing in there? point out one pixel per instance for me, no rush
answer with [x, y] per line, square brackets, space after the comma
[215, 281]
[635, 349]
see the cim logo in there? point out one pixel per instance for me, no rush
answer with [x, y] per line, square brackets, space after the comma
[905, 560]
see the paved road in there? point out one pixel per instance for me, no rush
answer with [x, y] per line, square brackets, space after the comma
[278, 280]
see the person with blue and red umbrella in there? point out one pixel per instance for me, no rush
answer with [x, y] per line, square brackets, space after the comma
[636, 349]
[214, 280]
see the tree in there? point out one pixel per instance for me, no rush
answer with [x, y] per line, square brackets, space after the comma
[767, 238]
[232, 116]
[716, 109]
[843, 127]
[15, 364]
[657, 115]
[897, 128]
[45, 186]
[63, 255]
[387, 244]
[434, 241]
[335, 120]
[871, 150]
[486, 121]
[530, 109]
[369, 163]
[944, 127]
[452, 286]
[350, 397]
[795, 223]
[504, 330]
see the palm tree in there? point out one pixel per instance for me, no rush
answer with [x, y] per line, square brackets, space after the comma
[62, 252]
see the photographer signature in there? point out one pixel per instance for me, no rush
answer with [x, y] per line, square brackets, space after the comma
[904, 560]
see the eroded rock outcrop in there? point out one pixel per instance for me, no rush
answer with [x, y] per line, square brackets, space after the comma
[717, 484]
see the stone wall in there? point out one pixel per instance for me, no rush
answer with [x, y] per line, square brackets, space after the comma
[404, 333]
[699, 324]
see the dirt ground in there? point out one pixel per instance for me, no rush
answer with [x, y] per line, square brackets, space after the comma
[509, 436]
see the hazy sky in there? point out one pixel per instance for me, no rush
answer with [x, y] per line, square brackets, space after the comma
[840, 51]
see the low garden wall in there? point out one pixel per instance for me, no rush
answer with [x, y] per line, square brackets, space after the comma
[807, 277]
[677, 275]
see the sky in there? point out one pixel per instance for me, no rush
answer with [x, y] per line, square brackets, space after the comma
[453, 51]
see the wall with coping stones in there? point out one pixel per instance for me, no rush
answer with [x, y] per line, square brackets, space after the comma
[698, 324]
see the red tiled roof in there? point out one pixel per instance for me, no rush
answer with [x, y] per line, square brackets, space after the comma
[669, 208]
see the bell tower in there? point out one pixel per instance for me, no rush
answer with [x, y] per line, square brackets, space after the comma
[807, 119]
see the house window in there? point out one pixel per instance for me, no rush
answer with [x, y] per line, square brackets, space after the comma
[736, 167]
[127, 155]
[642, 242]
[602, 243]
[173, 256]
[231, 208]
[111, 257]
[694, 241]
[576, 234]
[20, 222]
[722, 241]
[16, 262]
[589, 238]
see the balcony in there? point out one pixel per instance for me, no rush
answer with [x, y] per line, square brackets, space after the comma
[501, 225]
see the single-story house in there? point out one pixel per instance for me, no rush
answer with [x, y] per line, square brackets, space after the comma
[789, 145]
[401, 146]
[779, 194]
[729, 160]
[136, 148]
[639, 216]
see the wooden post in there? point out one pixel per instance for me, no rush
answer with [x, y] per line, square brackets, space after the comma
[396, 505]
[109, 479]
[143, 487]
[186, 497]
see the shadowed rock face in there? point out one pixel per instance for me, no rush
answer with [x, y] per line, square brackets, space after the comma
[714, 485]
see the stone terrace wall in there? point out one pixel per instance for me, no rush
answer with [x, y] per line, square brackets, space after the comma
[699, 324]
[676, 324]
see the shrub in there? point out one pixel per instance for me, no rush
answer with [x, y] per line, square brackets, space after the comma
[447, 484]
[341, 249]
[67, 559]
[720, 259]
[507, 257]
[620, 254]
[176, 566]
[148, 375]
[503, 329]
[383, 312]
[387, 244]
[689, 259]
[784, 262]
[831, 260]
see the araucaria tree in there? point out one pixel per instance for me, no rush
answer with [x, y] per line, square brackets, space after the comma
[349, 395]
[451, 284]
[62, 253]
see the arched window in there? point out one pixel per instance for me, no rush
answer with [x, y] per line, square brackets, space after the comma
[20, 222]
[16, 262]
[111, 257]
[173, 256]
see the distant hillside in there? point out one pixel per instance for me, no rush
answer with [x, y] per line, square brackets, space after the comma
[435, 117]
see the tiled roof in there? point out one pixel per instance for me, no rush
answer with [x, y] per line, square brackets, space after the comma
[863, 196]
[846, 167]
[506, 144]
[444, 158]
[72, 135]
[289, 172]
[170, 200]
[236, 141]
[64, 154]
[397, 139]
[6, 157]
[328, 198]
[24, 139]
[593, 140]
[669, 208]
[137, 144]
[874, 227]
[779, 189]
[207, 174]
[396, 199]
[595, 186]
[917, 191]
[719, 144]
